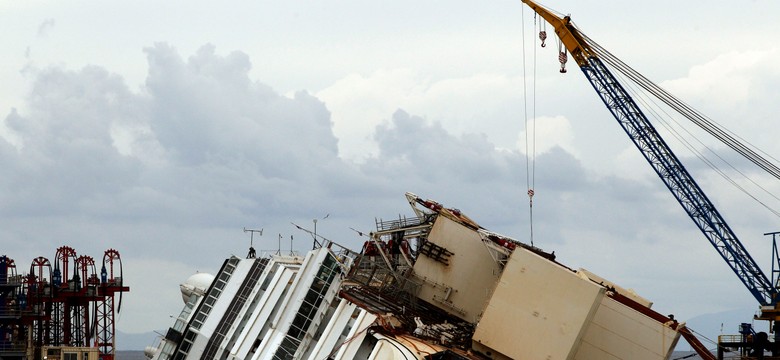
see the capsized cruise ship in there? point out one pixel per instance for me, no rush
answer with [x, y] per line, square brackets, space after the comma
[432, 285]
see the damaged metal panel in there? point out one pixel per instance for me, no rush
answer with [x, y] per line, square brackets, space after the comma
[629, 293]
[549, 302]
[463, 284]
[620, 332]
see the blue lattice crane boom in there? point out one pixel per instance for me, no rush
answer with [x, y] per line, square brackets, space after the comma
[662, 159]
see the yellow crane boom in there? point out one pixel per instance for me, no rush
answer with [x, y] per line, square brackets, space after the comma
[569, 35]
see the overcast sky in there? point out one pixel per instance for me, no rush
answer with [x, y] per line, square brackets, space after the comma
[162, 129]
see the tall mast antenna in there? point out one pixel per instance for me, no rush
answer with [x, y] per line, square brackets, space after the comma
[252, 253]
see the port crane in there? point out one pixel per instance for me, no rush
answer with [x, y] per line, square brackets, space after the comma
[591, 59]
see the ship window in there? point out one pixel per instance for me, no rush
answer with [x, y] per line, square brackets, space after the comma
[71, 356]
[268, 279]
[185, 346]
[168, 350]
[308, 310]
[220, 285]
[200, 317]
[255, 345]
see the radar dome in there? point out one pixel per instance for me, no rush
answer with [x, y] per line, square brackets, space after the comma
[195, 285]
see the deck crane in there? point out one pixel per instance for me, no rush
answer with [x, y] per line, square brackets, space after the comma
[588, 57]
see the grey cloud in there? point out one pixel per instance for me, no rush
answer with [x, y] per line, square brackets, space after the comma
[208, 108]
[233, 142]
[215, 151]
[67, 153]
[409, 143]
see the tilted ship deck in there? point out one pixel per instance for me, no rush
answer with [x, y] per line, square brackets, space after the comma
[435, 285]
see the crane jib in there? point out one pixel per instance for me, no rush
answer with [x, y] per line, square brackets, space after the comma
[661, 158]
[678, 180]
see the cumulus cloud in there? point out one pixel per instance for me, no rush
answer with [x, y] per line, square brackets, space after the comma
[481, 103]
[738, 89]
[732, 68]
[66, 152]
[171, 173]
[545, 133]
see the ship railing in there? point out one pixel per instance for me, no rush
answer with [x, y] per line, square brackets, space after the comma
[9, 347]
[12, 280]
[10, 313]
[730, 338]
[343, 254]
[276, 252]
[735, 346]
[402, 222]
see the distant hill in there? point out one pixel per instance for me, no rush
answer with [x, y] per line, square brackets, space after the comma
[709, 326]
[139, 342]
[130, 355]
[677, 355]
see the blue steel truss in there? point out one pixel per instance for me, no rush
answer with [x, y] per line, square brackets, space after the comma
[678, 180]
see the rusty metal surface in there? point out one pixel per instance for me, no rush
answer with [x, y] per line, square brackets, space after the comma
[410, 313]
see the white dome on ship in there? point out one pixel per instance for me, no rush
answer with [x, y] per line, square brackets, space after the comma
[195, 285]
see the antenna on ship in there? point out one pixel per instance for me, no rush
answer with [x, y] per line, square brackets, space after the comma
[252, 253]
[316, 243]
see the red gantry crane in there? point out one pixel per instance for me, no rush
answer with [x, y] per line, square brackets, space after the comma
[62, 308]
[110, 287]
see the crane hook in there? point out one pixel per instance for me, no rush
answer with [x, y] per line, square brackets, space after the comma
[543, 37]
[562, 57]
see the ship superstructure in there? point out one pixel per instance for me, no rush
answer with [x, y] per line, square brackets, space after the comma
[434, 285]
[262, 308]
[437, 285]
